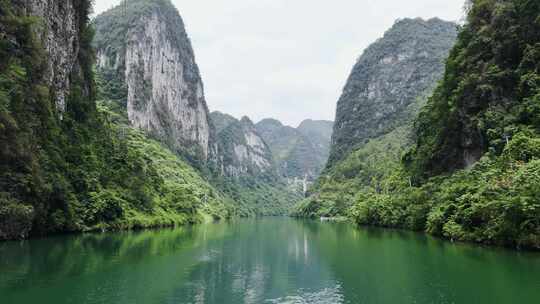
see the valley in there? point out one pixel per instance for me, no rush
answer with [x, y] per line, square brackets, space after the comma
[122, 181]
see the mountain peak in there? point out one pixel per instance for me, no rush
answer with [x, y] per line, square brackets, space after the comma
[147, 56]
[270, 122]
[387, 80]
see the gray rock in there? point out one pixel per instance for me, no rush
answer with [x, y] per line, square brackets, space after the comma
[300, 153]
[387, 80]
[145, 42]
[60, 37]
[242, 150]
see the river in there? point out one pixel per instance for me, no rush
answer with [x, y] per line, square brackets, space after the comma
[269, 260]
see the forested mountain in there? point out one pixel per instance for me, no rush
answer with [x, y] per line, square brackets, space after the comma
[221, 120]
[387, 80]
[471, 170]
[68, 163]
[248, 172]
[148, 71]
[113, 131]
[386, 88]
[300, 153]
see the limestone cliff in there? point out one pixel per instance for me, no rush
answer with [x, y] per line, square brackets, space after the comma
[87, 170]
[387, 79]
[374, 121]
[247, 171]
[60, 35]
[143, 45]
[242, 150]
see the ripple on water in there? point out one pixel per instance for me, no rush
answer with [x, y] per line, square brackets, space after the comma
[325, 296]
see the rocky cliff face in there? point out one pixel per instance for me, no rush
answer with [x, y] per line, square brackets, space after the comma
[374, 128]
[247, 170]
[221, 120]
[300, 153]
[387, 79]
[59, 34]
[242, 150]
[144, 45]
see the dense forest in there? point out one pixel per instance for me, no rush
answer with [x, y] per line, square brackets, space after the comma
[119, 185]
[472, 170]
[437, 129]
[82, 168]
[93, 139]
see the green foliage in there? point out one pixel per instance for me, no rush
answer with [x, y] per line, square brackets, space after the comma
[87, 170]
[373, 168]
[495, 202]
[257, 195]
[387, 79]
[473, 173]
[15, 218]
[489, 91]
[298, 152]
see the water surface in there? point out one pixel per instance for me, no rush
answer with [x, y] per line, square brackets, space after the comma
[271, 260]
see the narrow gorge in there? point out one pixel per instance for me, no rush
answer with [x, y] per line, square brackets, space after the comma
[167, 151]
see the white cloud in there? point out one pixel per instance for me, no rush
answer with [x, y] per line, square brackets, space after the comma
[287, 59]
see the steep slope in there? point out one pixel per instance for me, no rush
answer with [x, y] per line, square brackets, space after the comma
[148, 73]
[472, 173]
[248, 171]
[299, 153]
[65, 163]
[281, 139]
[221, 120]
[485, 117]
[477, 107]
[146, 58]
[62, 25]
[243, 151]
[383, 95]
[387, 79]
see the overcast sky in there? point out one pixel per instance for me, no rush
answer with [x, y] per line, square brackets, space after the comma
[287, 59]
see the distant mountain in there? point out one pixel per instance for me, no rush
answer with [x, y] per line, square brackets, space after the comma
[248, 173]
[221, 120]
[242, 149]
[319, 133]
[281, 139]
[300, 153]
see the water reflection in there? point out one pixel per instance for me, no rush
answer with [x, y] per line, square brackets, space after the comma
[271, 262]
[263, 261]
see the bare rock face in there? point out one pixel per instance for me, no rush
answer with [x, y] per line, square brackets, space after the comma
[242, 150]
[60, 36]
[145, 43]
[387, 80]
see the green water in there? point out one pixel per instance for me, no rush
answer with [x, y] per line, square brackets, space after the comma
[274, 260]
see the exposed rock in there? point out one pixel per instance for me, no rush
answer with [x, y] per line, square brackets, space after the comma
[242, 151]
[60, 36]
[300, 153]
[153, 56]
[247, 170]
[387, 79]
